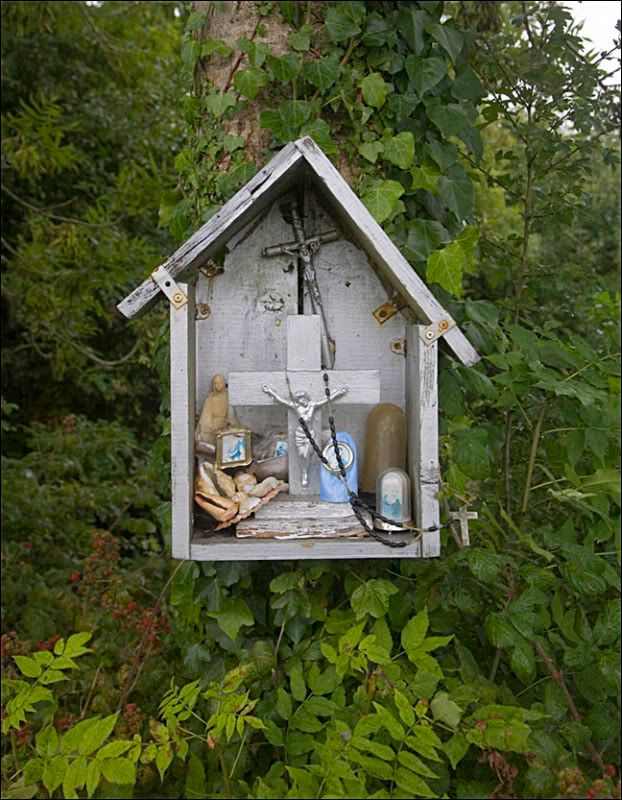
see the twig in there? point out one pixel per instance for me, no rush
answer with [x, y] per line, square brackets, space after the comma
[129, 682]
[59, 217]
[90, 694]
[535, 440]
[558, 677]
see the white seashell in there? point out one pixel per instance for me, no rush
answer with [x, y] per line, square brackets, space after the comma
[238, 497]
[264, 487]
[204, 482]
[248, 504]
[220, 508]
[244, 482]
[225, 483]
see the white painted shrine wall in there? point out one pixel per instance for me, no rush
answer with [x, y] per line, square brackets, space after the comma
[250, 301]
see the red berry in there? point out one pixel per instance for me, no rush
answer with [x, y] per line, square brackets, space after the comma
[610, 770]
[75, 576]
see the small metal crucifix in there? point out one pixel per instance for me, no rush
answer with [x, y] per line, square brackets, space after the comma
[303, 248]
[463, 516]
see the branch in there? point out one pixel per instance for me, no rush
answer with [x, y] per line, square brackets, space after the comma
[39, 210]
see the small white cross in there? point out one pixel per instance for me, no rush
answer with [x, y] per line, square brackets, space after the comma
[463, 516]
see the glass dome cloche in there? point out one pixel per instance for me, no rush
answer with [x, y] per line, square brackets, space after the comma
[393, 499]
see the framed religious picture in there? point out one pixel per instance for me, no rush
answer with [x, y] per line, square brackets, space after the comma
[233, 448]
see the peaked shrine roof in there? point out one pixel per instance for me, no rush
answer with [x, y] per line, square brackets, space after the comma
[295, 162]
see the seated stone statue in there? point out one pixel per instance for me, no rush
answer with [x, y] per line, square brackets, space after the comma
[216, 415]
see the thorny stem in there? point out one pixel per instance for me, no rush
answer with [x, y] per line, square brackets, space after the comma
[558, 677]
[535, 440]
[130, 680]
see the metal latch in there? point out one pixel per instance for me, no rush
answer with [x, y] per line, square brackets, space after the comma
[398, 346]
[388, 310]
[437, 329]
[170, 287]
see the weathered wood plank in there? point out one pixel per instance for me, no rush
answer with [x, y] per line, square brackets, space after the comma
[246, 387]
[366, 232]
[182, 423]
[225, 547]
[304, 350]
[287, 506]
[423, 442]
[258, 193]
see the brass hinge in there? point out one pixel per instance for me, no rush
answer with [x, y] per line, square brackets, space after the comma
[398, 346]
[388, 310]
[437, 329]
[170, 287]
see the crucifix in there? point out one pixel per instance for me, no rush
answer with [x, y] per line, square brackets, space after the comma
[303, 376]
[463, 516]
[303, 248]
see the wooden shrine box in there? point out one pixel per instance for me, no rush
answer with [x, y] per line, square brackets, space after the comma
[235, 320]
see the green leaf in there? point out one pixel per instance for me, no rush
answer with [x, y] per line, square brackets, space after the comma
[456, 191]
[28, 666]
[75, 777]
[425, 177]
[114, 749]
[218, 46]
[400, 150]
[410, 23]
[449, 38]
[283, 703]
[407, 715]
[466, 85]
[412, 783]
[297, 684]
[402, 105]
[217, 104]
[96, 734]
[471, 455]
[286, 121]
[523, 662]
[424, 683]
[195, 787]
[75, 645]
[446, 266]
[46, 742]
[382, 198]
[374, 90]
[482, 312]
[190, 52]
[415, 764]
[195, 20]
[322, 73]
[425, 73]
[371, 150]
[163, 758]
[443, 153]
[457, 120]
[54, 772]
[320, 131]
[382, 751]
[424, 236]
[119, 770]
[284, 68]
[301, 39]
[233, 614]
[52, 676]
[343, 20]
[414, 631]
[607, 626]
[372, 597]
[249, 82]
[456, 748]
[499, 630]
[444, 709]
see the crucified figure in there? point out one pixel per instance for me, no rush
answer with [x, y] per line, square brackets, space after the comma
[304, 408]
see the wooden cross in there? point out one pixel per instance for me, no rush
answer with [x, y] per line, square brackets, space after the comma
[463, 516]
[304, 374]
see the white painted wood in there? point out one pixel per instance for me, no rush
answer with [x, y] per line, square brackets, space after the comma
[290, 517]
[249, 305]
[363, 386]
[463, 516]
[381, 251]
[283, 171]
[287, 506]
[423, 442]
[258, 194]
[351, 291]
[182, 357]
[304, 344]
[226, 547]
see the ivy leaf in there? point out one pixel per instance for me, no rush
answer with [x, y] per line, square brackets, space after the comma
[449, 38]
[343, 20]
[402, 105]
[382, 198]
[466, 85]
[217, 104]
[371, 150]
[456, 191]
[374, 90]
[218, 46]
[410, 23]
[195, 20]
[425, 73]
[425, 177]
[190, 52]
[445, 267]
[284, 68]
[457, 120]
[233, 614]
[301, 39]
[444, 153]
[424, 236]
[372, 598]
[321, 132]
[379, 31]
[249, 82]
[322, 73]
[414, 631]
[400, 150]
